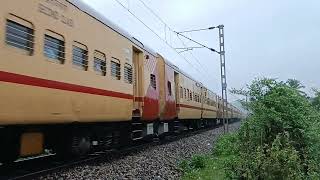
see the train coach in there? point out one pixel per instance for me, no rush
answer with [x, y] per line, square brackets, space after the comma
[73, 82]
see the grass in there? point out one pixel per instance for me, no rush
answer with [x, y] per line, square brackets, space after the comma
[212, 170]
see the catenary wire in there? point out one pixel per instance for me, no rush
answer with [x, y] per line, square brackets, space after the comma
[170, 29]
[158, 36]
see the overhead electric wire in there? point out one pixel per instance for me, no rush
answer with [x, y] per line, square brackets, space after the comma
[186, 48]
[211, 49]
[155, 14]
[198, 61]
[158, 35]
[203, 29]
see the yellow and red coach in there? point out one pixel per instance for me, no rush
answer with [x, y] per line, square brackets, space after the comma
[72, 81]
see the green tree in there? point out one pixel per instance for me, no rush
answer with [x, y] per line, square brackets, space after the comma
[281, 137]
[295, 84]
[316, 100]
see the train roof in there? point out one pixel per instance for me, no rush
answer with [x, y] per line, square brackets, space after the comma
[181, 71]
[101, 18]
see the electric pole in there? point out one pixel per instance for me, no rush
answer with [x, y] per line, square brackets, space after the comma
[222, 66]
[223, 80]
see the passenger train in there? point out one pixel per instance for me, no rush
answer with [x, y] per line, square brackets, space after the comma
[73, 82]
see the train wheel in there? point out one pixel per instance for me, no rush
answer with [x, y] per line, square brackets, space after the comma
[81, 144]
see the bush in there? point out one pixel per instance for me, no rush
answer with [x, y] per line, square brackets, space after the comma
[279, 140]
[226, 145]
[197, 162]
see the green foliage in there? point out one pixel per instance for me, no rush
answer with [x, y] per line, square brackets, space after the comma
[198, 162]
[316, 100]
[212, 170]
[279, 160]
[226, 145]
[195, 163]
[279, 140]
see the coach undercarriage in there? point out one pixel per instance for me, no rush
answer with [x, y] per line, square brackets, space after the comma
[74, 140]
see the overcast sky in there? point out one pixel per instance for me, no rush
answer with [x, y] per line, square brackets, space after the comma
[266, 38]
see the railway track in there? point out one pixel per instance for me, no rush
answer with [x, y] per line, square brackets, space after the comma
[31, 169]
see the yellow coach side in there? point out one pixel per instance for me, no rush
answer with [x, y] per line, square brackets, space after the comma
[210, 105]
[101, 97]
[190, 98]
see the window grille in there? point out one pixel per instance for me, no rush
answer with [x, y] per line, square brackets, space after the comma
[128, 73]
[80, 57]
[115, 69]
[153, 82]
[19, 36]
[100, 63]
[54, 49]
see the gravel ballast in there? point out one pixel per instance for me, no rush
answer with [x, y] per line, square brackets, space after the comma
[158, 162]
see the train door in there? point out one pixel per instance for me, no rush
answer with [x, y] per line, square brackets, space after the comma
[201, 100]
[176, 82]
[138, 84]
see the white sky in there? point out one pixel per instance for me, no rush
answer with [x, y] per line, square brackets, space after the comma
[266, 38]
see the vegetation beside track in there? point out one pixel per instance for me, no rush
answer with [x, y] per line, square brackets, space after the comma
[280, 139]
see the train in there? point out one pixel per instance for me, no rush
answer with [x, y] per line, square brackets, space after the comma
[73, 82]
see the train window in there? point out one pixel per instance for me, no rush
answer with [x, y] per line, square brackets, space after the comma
[115, 69]
[54, 47]
[19, 36]
[190, 95]
[100, 63]
[188, 92]
[169, 88]
[80, 56]
[153, 81]
[128, 73]
[185, 93]
[181, 92]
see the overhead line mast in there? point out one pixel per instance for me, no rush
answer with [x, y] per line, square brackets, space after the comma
[222, 67]
[223, 78]
[221, 53]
